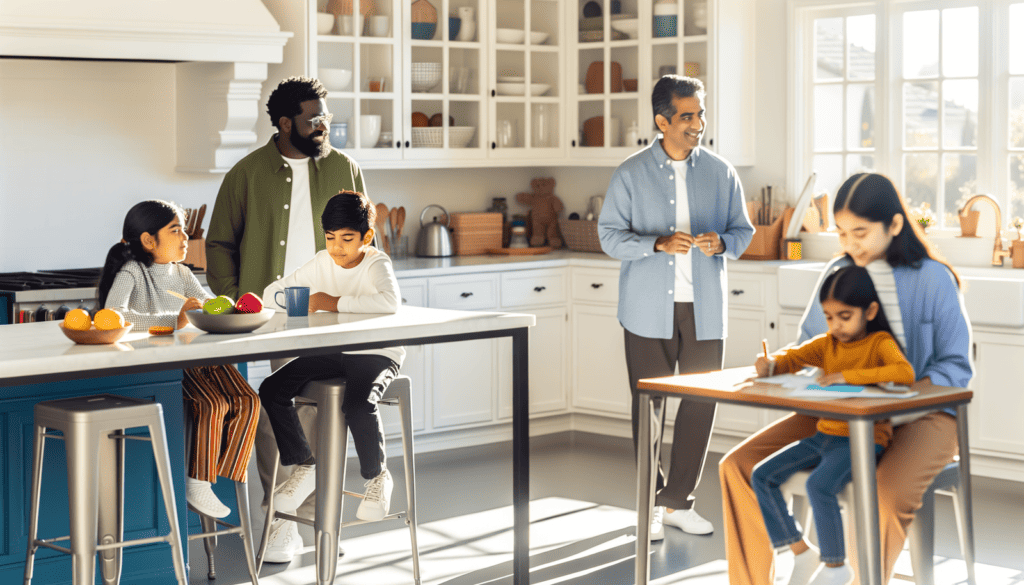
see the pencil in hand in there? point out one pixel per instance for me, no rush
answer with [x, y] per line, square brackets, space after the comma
[176, 294]
[771, 362]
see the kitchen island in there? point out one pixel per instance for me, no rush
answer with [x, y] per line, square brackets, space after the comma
[37, 356]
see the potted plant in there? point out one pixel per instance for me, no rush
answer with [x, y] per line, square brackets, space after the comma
[922, 215]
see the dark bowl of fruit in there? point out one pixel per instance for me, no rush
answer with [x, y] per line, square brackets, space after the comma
[222, 315]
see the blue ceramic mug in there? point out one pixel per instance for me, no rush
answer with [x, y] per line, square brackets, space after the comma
[296, 300]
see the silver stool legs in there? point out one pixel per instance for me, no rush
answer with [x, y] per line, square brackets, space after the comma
[209, 523]
[96, 481]
[332, 449]
[921, 532]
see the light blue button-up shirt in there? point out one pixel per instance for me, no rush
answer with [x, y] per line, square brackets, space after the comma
[640, 207]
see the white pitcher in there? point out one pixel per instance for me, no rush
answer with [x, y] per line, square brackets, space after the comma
[467, 31]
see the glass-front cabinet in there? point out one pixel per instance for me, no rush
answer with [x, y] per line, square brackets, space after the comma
[526, 84]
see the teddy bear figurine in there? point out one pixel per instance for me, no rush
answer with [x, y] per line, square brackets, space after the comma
[545, 207]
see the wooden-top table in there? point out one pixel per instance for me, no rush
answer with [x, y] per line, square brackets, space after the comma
[733, 386]
[38, 352]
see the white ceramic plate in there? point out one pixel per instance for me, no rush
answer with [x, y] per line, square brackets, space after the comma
[511, 79]
[520, 88]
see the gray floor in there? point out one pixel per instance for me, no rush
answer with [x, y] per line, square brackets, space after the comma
[583, 491]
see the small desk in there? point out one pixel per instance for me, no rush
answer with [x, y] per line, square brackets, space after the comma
[731, 386]
[39, 352]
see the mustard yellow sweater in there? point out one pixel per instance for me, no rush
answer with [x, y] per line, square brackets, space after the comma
[872, 360]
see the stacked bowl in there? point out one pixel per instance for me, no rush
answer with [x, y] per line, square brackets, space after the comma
[425, 76]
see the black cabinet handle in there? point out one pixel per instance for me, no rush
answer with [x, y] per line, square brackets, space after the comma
[772, 325]
[398, 144]
[574, 143]
[539, 288]
[407, 144]
[493, 146]
[639, 142]
[492, 93]
[737, 292]
[596, 284]
[466, 295]
[711, 142]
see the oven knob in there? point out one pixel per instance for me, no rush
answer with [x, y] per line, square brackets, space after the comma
[61, 311]
[41, 314]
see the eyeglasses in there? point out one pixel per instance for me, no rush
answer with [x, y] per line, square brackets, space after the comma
[324, 119]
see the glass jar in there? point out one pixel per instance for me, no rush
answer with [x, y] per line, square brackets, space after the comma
[519, 237]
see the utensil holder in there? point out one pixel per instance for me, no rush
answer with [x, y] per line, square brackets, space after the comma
[765, 243]
[969, 223]
[196, 254]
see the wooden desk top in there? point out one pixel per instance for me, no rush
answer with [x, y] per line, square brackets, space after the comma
[731, 386]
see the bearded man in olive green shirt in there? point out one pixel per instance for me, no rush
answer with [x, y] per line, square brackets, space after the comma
[265, 224]
[249, 236]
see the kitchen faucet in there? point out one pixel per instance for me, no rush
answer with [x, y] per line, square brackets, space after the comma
[998, 253]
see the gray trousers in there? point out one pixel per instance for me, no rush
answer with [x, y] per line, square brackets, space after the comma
[651, 358]
[266, 450]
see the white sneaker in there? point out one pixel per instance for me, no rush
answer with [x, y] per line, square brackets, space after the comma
[293, 492]
[200, 496]
[689, 521]
[658, 523]
[377, 500]
[841, 575]
[285, 542]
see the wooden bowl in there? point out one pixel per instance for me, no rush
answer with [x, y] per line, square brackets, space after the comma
[95, 336]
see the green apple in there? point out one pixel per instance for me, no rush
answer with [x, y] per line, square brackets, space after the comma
[221, 305]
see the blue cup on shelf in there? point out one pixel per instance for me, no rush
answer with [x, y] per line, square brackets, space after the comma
[454, 24]
[296, 300]
[423, 31]
[339, 135]
[665, 25]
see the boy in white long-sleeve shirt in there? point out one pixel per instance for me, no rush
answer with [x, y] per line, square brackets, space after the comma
[350, 276]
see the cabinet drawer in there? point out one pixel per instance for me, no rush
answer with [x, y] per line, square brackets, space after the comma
[532, 287]
[599, 286]
[471, 292]
[744, 291]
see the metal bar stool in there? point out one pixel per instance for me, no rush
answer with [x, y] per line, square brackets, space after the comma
[921, 532]
[332, 450]
[209, 523]
[96, 481]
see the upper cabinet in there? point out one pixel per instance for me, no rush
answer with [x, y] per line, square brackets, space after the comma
[711, 40]
[494, 82]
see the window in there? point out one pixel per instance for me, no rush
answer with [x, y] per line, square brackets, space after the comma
[913, 90]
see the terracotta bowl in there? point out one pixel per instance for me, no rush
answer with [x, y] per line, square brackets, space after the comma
[95, 336]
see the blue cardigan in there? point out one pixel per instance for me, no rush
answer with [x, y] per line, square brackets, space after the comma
[934, 321]
[640, 207]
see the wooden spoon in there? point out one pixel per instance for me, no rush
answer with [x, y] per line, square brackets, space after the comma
[393, 221]
[401, 223]
[382, 218]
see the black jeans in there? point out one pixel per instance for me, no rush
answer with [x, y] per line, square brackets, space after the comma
[367, 377]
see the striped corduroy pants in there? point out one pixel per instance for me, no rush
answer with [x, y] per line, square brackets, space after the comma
[224, 411]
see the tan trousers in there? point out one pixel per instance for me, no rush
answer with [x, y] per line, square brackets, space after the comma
[918, 452]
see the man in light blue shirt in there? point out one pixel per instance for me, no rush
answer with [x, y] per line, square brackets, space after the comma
[672, 286]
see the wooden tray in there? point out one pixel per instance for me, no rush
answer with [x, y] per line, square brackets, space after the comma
[520, 251]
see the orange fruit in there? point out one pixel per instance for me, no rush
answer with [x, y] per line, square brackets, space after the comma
[420, 120]
[108, 319]
[77, 320]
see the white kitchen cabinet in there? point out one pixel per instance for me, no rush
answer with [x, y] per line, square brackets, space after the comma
[712, 36]
[746, 330]
[416, 365]
[600, 379]
[995, 412]
[548, 370]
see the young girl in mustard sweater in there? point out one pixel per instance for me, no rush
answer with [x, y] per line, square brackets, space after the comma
[860, 349]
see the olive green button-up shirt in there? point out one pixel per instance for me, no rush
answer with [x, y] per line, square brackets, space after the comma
[245, 246]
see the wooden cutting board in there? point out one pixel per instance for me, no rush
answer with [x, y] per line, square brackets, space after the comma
[519, 251]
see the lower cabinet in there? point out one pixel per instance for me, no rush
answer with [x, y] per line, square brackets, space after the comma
[994, 424]
[600, 378]
[548, 373]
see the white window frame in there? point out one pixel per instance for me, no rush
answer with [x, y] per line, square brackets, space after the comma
[993, 151]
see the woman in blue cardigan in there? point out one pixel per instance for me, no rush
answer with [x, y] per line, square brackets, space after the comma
[920, 294]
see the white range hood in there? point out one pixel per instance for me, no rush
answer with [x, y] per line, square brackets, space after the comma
[221, 47]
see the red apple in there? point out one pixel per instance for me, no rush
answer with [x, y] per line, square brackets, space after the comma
[249, 303]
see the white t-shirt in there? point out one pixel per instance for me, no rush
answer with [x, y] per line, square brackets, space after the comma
[370, 287]
[684, 264]
[301, 243]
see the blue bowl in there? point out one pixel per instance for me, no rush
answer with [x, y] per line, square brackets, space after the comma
[665, 25]
[339, 135]
[454, 24]
[423, 31]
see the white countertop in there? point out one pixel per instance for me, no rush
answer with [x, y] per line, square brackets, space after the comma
[35, 352]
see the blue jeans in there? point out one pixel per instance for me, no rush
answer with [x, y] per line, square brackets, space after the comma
[829, 455]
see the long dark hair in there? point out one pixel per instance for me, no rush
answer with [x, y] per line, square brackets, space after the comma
[875, 198]
[146, 217]
[852, 285]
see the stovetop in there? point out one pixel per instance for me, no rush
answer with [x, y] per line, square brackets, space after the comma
[50, 279]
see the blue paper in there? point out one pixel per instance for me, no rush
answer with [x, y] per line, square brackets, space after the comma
[837, 388]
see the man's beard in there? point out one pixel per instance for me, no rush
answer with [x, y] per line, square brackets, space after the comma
[308, 146]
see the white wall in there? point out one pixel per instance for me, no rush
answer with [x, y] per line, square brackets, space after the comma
[82, 141]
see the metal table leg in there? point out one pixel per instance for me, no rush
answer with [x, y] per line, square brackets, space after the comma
[966, 517]
[644, 491]
[520, 457]
[865, 496]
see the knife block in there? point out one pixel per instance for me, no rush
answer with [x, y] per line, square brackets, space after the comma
[767, 239]
[196, 254]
